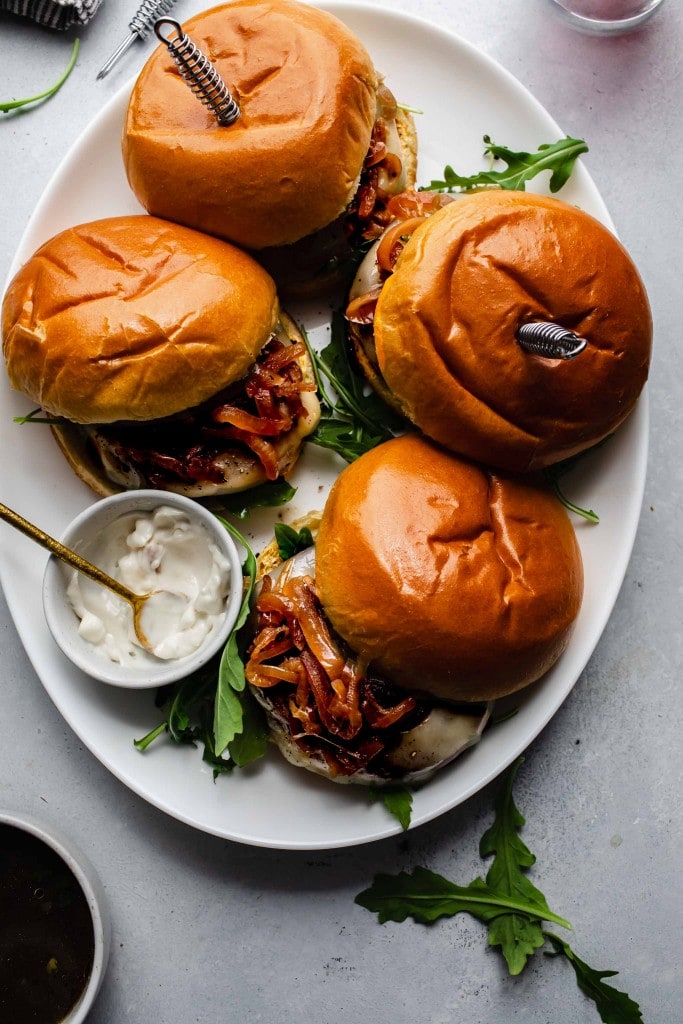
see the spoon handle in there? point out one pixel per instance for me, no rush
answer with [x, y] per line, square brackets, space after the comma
[65, 554]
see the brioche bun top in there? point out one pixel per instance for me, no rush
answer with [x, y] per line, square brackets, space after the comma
[446, 323]
[452, 580]
[290, 164]
[133, 318]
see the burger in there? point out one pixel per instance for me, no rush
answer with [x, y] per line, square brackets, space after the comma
[304, 174]
[162, 357]
[434, 587]
[435, 314]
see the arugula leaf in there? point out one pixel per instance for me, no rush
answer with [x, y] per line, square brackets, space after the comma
[146, 740]
[290, 541]
[506, 901]
[269, 495]
[425, 896]
[187, 703]
[553, 474]
[614, 1007]
[344, 437]
[355, 419]
[14, 104]
[398, 800]
[251, 743]
[558, 158]
[585, 513]
[518, 935]
[36, 416]
[188, 693]
[228, 716]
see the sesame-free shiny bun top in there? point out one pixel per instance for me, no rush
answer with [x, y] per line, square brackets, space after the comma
[290, 164]
[452, 580]
[133, 318]
[446, 323]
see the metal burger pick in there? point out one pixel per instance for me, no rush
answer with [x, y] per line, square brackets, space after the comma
[138, 27]
[198, 71]
[550, 340]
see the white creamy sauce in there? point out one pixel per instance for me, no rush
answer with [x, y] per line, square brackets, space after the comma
[165, 551]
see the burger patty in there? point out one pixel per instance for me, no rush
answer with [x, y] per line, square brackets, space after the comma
[246, 423]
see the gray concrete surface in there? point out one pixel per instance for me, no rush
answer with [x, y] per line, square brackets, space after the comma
[208, 930]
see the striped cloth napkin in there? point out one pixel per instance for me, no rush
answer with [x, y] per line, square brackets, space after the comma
[53, 13]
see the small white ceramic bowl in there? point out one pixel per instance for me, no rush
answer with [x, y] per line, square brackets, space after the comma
[63, 622]
[87, 878]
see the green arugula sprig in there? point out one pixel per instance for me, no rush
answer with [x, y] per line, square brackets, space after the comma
[268, 495]
[229, 709]
[553, 474]
[614, 1007]
[354, 419]
[557, 157]
[15, 104]
[37, 416]
[213, 706]
[290, 541]
[506, 901]
[397, 799]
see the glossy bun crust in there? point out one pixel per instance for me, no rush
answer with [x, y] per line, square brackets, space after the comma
[446, 321]
[452, 580]
[290, 164]
[133, 318]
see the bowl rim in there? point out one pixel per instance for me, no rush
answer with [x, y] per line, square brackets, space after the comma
[89, 881]
[98, 666]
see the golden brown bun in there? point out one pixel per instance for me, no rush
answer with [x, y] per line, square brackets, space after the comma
[99, 300]
[242, 469]
[290, 164]
[446, 321]
[452, 580]
[319, 263]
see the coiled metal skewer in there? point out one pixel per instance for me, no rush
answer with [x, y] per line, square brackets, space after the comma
[139, 26]
[198, 71]
[550, 340]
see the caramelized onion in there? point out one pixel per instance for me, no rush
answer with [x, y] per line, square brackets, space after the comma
[322, 691]
[361, 310]
[313, 625]
[266, 426]
[393, 241]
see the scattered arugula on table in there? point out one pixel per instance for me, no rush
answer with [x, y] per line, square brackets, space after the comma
[15, 104]
[354, 419]
[557, 157]
[614, 1007]
[214, 706]
[512, 907]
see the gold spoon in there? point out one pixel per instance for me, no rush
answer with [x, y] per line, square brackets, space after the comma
[76, 561]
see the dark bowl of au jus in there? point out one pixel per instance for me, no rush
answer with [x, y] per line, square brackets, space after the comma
[54, 925]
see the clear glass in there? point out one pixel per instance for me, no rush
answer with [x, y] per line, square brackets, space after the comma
[606, 17]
